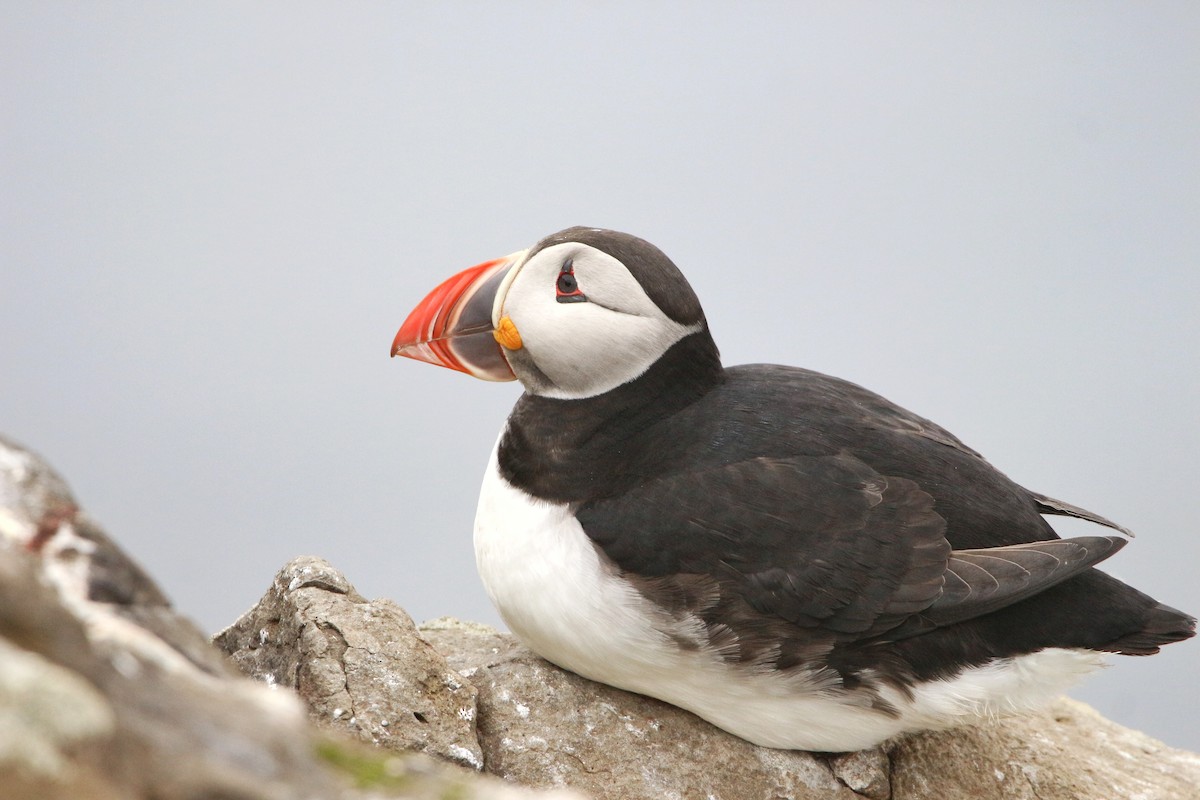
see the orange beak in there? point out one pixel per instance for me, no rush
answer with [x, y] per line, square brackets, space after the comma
[452, 327]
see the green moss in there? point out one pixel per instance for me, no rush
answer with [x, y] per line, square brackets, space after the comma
[372, 769]
[455, 791]
[368, 769]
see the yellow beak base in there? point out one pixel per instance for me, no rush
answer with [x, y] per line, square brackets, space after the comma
[506, 334]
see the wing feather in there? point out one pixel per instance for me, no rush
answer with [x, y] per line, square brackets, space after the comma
[985, 580]
[814, 549]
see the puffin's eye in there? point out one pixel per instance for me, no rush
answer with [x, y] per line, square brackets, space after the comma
[567, 288]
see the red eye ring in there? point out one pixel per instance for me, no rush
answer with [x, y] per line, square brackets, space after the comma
[566, 288]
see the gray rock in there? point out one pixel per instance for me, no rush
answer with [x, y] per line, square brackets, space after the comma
[176, 730]
[182, 724]
[1067, 752]
[94, 578]
[53, 727]
[867, 772]
[107, 693]
[360, 666]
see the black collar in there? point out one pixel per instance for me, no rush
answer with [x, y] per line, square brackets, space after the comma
[579, 450]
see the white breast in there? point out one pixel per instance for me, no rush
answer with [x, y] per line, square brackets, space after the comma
[559, 597]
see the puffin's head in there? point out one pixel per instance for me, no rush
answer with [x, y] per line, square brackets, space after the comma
[579, 313]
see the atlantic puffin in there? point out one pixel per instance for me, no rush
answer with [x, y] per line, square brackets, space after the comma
[785, 554]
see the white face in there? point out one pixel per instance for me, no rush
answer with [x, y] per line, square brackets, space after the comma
[572, 350]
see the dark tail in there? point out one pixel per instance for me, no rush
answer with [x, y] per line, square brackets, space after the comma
[1164, 625]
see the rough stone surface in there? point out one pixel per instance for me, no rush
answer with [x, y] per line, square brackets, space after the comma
[360, 666]
[867, 772]
[542, 726]
[106, 693]
[53, 726]
[1066, 751]
[545, 727]
[173, 732]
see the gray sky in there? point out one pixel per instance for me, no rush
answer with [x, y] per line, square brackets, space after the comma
[214, 217]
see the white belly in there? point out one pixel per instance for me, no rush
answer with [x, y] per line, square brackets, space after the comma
[557, 595]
